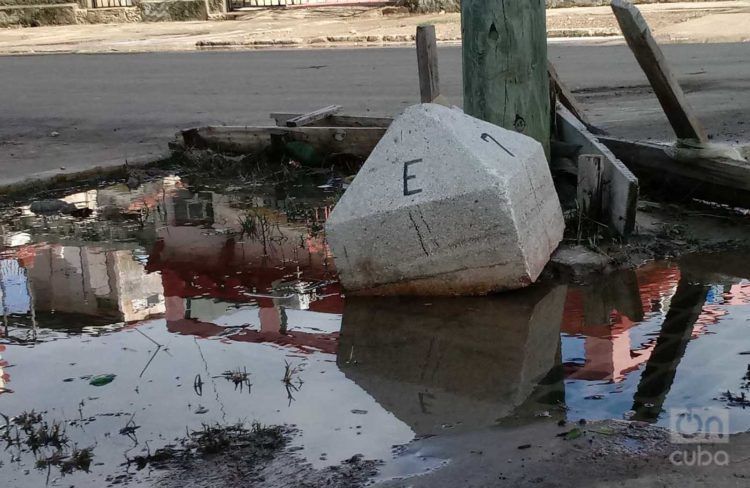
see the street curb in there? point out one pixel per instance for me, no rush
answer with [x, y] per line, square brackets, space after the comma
[385, 39]
[52, 180]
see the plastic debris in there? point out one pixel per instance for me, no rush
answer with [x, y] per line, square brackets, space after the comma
[102, 379]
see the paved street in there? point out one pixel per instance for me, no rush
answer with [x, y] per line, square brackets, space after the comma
[109, 108]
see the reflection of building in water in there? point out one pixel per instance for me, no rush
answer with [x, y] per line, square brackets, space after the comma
[264, 261]
[604, 315]
[463, 362]
[4, 377]
[609, 314]
[90, 281]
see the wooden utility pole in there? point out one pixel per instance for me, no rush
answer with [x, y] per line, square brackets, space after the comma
[427, 62]
[505, 65]
[652, 61]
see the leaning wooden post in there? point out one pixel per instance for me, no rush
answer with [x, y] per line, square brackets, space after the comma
[429, 81]
[652, 61]
[505, 65]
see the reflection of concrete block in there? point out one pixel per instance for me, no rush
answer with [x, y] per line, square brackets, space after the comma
[446, 204]
[461, 361]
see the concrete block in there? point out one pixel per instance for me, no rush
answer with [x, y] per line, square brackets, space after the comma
[446, 204]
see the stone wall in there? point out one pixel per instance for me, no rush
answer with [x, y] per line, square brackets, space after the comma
[424, 6]
[37, 15]
[172, 11]
[217, 6]
[115, 15]
[33, 13]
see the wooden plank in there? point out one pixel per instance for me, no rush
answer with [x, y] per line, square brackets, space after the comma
[427, 62]
[505, 65]
[618, 187]
[569, 101]
[314, 116]
[719, 180]
[356, 141]
[335, 120]
[589, 189]
[654, 64]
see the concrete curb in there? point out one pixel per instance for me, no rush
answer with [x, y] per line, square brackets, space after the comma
[383, 39]
[54, 180]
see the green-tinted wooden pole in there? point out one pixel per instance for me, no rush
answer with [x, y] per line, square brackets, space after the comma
[505, 65]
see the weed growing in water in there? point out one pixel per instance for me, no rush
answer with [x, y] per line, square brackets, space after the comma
[257, 442]
[29, 432]
[240, 378]
[292, 381]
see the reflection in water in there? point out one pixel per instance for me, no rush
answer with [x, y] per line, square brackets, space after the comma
[224, 282]
[456, 361]
[676, 331]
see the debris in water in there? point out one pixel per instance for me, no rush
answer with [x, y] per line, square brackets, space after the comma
[129, 429]
[573, 434]
[198, 385]
[51, 207]
[102, 379]
[733, 400]
[240, 378]
[292, 381]
[262, 441]
[29, 432]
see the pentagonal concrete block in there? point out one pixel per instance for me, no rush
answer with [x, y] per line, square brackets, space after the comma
[446, 204]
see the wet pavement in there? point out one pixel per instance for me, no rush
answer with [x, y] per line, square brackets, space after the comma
[177, 288]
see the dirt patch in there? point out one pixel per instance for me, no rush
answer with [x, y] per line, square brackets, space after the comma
[217, 456]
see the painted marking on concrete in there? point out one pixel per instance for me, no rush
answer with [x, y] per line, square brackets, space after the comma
[408, 177]
[486, 138]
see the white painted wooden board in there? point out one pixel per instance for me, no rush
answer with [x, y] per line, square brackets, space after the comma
[619, 185]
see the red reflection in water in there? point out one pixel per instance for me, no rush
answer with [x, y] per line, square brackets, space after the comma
[610, 354]
[227, 269]
[4, 377]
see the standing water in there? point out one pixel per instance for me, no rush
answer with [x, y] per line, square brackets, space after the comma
[147, 312]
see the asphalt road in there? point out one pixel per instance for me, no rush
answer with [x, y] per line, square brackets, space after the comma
[112, 107]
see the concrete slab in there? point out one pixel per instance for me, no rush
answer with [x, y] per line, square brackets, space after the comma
[446, 204]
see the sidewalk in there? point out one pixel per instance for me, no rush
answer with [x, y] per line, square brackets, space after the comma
[699, 22]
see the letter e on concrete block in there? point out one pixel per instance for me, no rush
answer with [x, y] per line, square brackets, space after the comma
[446, 204]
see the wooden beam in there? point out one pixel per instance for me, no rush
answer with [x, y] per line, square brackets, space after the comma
[427, 63]
[314, 116]
[569, 101]
[590, 187]
[335, 120]
[652, 61]
[505, 65]
[356, 141]
[721, 180]
[617, 187]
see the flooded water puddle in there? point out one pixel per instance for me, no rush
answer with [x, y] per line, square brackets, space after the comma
[223, 307]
